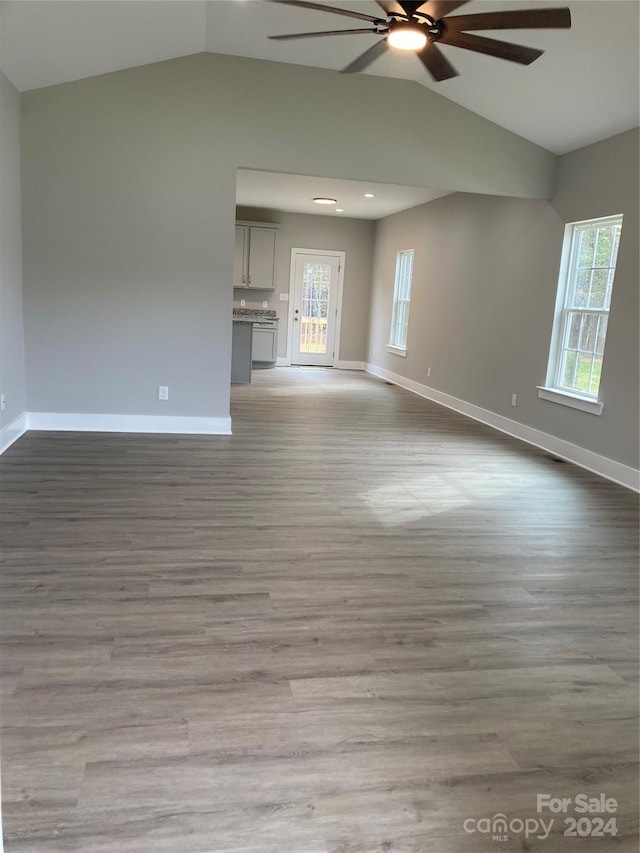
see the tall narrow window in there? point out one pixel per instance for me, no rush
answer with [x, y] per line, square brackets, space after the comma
[582, 311]
[401, 302]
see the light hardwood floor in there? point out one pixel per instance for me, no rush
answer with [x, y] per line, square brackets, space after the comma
[353, 625]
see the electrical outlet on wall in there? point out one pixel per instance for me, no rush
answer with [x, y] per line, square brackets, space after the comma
[514, 400]
[265, 304]
[163, 392]
[284, 297]
[428, 371]
[243, 302]
[3, 402]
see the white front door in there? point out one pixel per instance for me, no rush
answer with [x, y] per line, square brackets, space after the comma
[315, 307]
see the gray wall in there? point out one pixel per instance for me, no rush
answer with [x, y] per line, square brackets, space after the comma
[305, 231]
[484, 287]
[12, 369]
[129, 197]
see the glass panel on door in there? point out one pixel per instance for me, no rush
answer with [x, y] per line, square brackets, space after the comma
[314, 308]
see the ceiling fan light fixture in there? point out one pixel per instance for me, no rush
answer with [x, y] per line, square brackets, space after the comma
[407, 38]
[324, 200]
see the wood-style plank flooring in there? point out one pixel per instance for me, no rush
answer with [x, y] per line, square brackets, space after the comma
[356, 623]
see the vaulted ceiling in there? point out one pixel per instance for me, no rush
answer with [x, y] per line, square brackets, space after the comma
[584, 88]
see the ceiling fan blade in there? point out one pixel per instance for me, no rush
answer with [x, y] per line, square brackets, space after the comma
[437, 9]
[391, 7]
[492, 47]
[320, 7]
[436, 62]
[524, 19]
[365, 59]
[323, 33]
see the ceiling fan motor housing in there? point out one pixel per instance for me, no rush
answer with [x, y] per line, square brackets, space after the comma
[431, 29]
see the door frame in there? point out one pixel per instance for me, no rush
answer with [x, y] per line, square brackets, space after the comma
[292, 272]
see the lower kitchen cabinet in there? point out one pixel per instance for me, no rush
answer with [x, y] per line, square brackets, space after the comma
[241, 344]
[265, 344]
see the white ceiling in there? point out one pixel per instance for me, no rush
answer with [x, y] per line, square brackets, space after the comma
[295, 193]
[585, 87]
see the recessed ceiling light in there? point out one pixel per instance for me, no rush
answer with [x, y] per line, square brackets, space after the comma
[323, 200]
[369, 195]
[339, 210]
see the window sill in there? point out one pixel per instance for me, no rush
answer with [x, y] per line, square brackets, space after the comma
[397, 350]
[584, 404]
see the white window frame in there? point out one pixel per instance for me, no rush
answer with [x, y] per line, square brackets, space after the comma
[399, 330]
[553, 390]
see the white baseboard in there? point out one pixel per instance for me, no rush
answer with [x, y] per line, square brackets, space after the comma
[12, 432]
[350, 365]
[624, 475]
[128, 423]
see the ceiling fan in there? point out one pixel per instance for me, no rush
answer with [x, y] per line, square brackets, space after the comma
[418, 26]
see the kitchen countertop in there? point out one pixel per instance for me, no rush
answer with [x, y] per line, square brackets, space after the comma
[253, 315]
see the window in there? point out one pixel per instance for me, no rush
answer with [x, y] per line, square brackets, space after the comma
[582, 312]
[401, 300]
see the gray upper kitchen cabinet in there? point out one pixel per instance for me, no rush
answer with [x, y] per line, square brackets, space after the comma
[254, 259]
[239, 252]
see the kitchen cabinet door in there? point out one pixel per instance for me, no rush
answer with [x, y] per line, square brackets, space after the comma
[262, 258]
[265, 345]
[240, 253]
